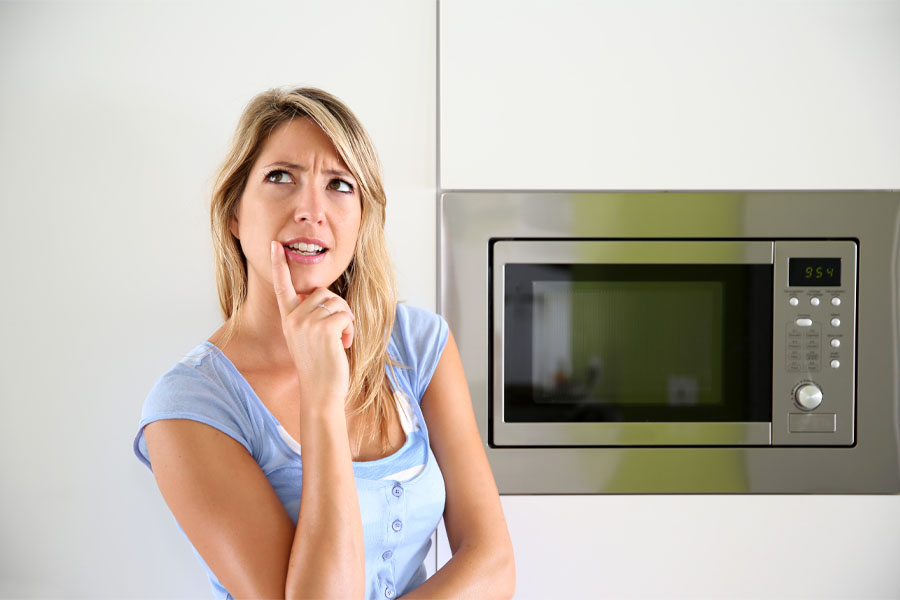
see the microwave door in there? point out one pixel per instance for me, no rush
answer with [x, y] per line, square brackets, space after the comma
[632, 343]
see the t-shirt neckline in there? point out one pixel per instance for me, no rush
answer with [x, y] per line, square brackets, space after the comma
[274, 424]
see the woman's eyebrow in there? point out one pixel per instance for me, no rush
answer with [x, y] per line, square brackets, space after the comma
[302, 168]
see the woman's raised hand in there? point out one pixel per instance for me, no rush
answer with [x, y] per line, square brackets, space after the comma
[317, 328]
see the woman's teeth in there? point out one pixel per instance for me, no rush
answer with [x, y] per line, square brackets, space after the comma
[306, 249]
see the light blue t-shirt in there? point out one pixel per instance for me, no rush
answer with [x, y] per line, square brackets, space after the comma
[401, 496]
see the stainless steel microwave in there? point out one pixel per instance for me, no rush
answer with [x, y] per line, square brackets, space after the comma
[679, 342]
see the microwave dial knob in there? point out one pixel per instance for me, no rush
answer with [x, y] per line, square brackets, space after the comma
[808, 396]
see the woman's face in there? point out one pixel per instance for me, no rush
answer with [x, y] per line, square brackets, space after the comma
[299, 192]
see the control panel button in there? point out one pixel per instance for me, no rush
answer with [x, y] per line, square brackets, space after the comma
[835, 301]
[835, 343]
[814, 300]
[835, 364]
[835, 322]
[803, 322]
[808, 396]
[794, 301]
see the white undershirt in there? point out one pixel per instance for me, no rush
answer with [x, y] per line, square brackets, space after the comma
[406, 415]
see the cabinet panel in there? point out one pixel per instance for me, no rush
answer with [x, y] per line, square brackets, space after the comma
[703, 546]
[654, 95]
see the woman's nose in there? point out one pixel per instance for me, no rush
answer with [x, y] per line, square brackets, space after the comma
[310, 206]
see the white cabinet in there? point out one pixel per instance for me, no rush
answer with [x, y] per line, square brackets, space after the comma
[705, 547]
[653, 94]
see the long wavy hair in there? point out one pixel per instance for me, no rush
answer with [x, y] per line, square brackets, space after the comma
[367, 284]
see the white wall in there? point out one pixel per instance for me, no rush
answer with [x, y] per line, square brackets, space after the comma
[113, 117]
[657, 95]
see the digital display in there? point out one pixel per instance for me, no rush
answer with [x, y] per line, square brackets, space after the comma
[814, 272]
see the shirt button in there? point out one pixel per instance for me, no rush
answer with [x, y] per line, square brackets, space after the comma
[389, 592]
[397, 491]
[397, 525]
[387, 555]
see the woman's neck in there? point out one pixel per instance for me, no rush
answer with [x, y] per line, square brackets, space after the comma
[259, 338]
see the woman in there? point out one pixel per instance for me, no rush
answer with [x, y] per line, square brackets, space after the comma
[316, 359]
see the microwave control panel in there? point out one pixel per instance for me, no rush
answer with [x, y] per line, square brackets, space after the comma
[814, 339]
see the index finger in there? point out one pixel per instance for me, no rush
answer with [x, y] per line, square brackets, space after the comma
[281, 279]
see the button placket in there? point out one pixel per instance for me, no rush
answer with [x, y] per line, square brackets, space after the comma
[395, 505]
[398, 505]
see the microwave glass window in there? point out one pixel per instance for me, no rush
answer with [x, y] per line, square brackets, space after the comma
[616, 357]
[637, 343]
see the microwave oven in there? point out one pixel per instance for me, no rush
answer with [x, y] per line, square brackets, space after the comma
[721, 342]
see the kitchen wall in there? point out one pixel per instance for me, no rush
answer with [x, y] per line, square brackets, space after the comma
[115, 114]
[113, 118]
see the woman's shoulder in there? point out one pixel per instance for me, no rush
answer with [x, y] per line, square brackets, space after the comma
[197, 367]
[200, 381]
[417, 341]
[415, 318]
[415, 326]
[200, 387]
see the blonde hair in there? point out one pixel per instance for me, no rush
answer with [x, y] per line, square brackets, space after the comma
[368, 282]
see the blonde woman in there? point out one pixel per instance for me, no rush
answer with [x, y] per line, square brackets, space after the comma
[310, 446]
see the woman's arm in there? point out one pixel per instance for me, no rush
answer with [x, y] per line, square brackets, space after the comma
[229, 511]
[225, 504]
[328, 557]
[482, 565]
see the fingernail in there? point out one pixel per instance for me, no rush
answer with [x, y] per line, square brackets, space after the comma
[273, 249]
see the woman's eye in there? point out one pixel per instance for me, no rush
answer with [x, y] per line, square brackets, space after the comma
[335, 184]
[277, 175]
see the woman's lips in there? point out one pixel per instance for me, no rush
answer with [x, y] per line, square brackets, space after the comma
[305, 259]
[305, 240]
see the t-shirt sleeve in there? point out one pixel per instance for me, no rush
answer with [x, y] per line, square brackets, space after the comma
[185, 392]
[420, 337]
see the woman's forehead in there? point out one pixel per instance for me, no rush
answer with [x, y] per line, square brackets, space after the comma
[297, 138]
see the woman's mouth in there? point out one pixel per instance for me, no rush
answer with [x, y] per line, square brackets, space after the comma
[305, 254]
[306, 249]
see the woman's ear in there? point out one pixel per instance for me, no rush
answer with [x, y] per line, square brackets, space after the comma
[233, 226]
